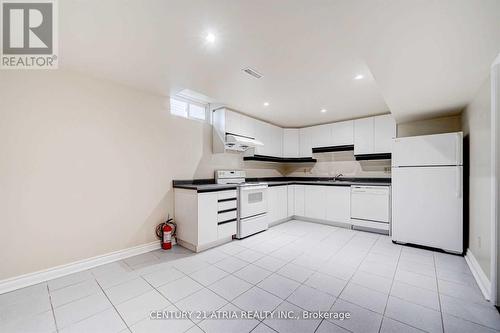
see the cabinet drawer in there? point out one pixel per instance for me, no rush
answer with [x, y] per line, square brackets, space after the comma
[225, 205]
[222, 217]
[226, 194]
[226, 230]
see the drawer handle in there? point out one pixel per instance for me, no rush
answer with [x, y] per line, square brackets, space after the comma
[224, 200]
[228, 221]
[226, 210]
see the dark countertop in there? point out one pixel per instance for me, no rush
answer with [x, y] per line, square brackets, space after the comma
[208, 185]
[330, 183]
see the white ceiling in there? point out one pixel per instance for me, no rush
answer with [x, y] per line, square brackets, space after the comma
[419, 58]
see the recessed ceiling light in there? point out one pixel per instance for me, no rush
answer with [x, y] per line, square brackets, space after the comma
[266, 103]
[210, 37]
[323, 110]
[359, 77]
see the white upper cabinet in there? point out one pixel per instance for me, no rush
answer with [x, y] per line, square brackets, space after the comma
[305, 143]
[385, 132]
[371, 135]
[277, 143]
[263, 135]
[272, 138]
[321, 135]
[239, 124]
[343, 133]
[291, 142]
[374, 135]
[363, 136]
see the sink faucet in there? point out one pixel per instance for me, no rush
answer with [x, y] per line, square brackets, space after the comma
[336, 177]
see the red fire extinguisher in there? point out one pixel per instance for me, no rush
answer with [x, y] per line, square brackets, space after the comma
[166, 232]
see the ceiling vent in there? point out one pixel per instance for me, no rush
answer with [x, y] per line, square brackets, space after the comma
[252, 72]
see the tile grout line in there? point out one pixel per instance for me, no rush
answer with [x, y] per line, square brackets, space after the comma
[78, 299]
[420, 305]
[286, 263]
[273, 272]
[347, 281]
[172, 303]
[290, 261]
[52, 308]
[357, 268]
[438, 293]
[390, 289]
[397, 320]
[113, 305]
[316, 270]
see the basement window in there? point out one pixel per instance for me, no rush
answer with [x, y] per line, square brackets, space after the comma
[188, 109]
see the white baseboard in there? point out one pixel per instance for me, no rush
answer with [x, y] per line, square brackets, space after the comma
[478, 273]
[275, 223]
[325, 222]
[30, 279]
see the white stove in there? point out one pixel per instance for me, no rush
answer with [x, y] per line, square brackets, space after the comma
[252, 202]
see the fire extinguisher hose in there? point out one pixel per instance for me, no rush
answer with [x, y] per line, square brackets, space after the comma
[159, 230]
[159, 227]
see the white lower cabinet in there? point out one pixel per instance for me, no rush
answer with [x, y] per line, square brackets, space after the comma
[226, 230]
[277, 197]
[329, 203]
[207, 218]
[315, 201]
[338, 203]
[291, 200]
[298, 202]
[204, 219]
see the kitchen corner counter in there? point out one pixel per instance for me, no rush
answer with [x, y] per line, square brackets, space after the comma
[209, 185]
[202, 185]
[331, 183]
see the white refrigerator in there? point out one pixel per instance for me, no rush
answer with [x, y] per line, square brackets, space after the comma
[427, 198]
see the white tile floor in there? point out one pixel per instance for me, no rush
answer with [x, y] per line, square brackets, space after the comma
[385, 287]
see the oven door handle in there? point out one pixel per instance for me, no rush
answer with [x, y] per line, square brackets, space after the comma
[253, 188]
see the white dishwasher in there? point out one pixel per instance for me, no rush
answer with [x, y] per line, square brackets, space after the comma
[371, 207]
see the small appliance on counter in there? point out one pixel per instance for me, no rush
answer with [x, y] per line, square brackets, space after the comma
[427, 200]
[252, 202]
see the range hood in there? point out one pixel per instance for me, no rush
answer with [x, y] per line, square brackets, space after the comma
[231, 132]
[240, 143]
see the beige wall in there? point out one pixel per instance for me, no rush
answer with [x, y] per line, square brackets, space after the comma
[476, 124]
[430, 126]
[86, 167]
[331, 164]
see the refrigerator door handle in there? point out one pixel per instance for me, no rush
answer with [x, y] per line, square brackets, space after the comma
[458, 181]
[458, 146]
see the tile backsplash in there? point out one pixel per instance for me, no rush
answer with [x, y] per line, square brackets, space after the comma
[331, 164]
